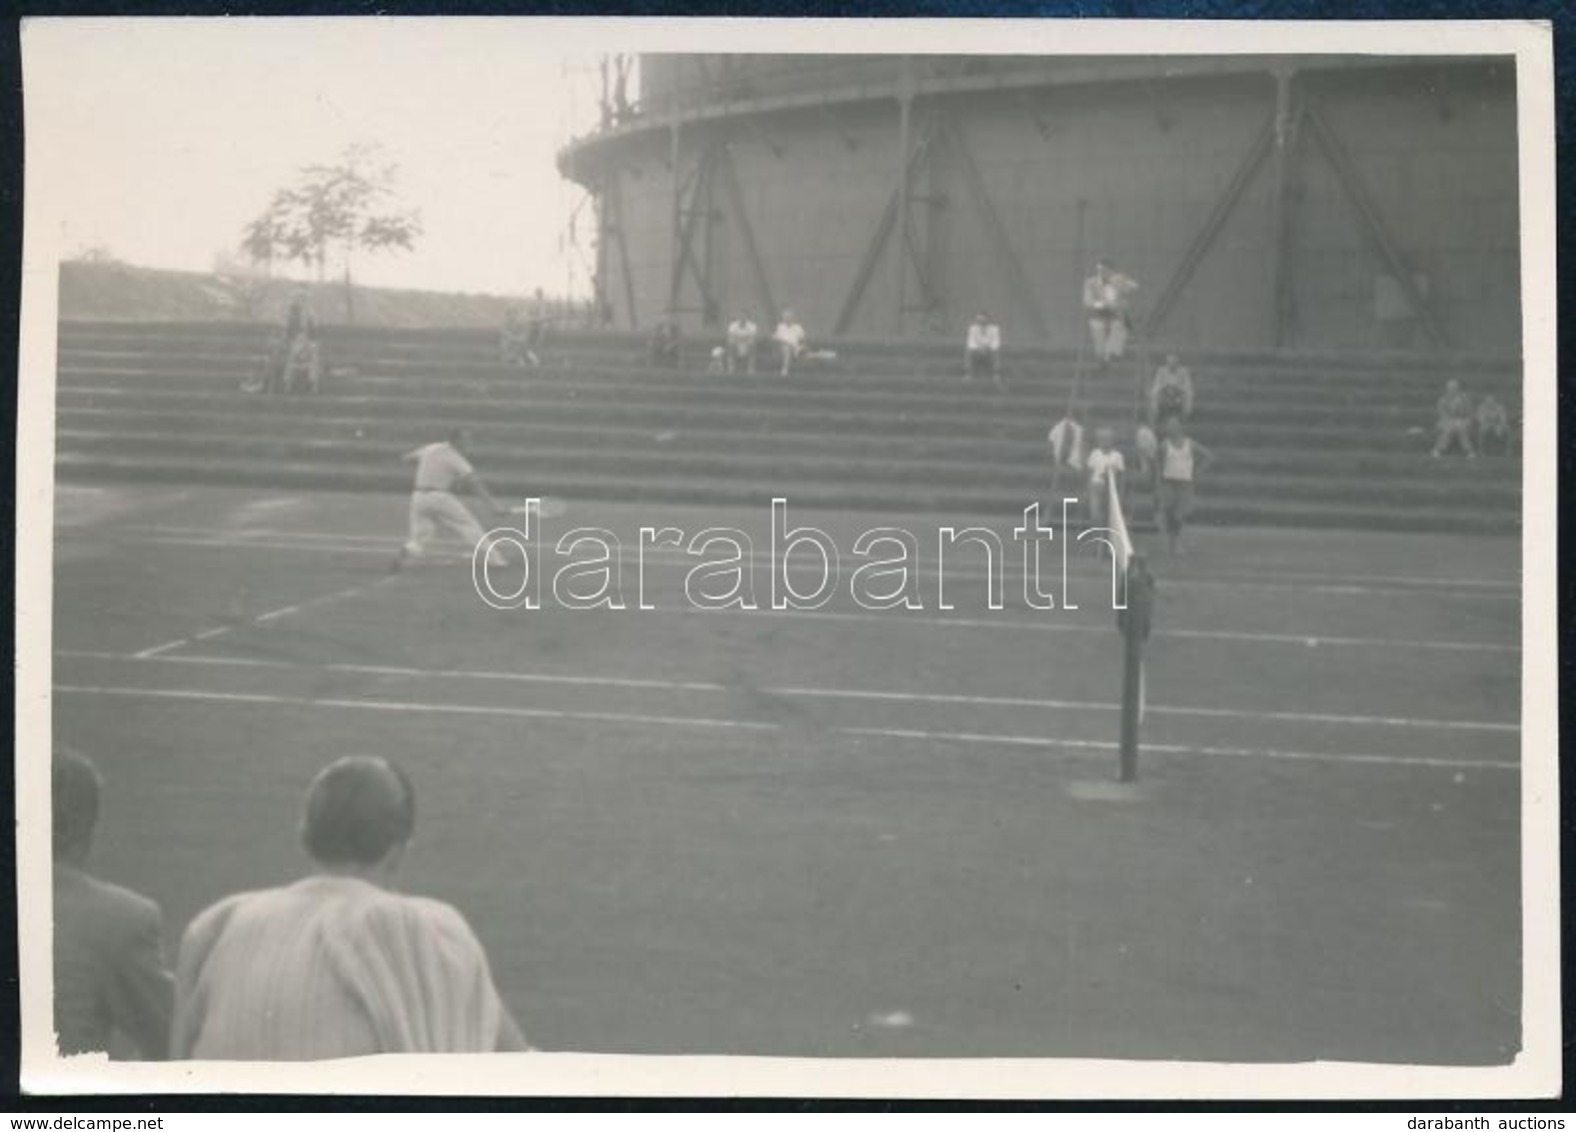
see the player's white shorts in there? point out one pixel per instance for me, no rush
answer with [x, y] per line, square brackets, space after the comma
[434, 511]
[1110, 337]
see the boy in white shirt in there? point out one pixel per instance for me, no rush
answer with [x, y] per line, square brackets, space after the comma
[1105, 466]
[790, 340]
[983, 351]
[740, 345]
[1066, 439]
[1181, 458]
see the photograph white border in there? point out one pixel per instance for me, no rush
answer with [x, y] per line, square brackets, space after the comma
[1535, 1072]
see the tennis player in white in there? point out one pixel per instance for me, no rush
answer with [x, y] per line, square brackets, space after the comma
[442, 470]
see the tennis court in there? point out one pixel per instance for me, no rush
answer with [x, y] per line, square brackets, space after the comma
[845, 831]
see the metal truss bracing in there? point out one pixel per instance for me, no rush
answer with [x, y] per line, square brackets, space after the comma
[741, 218]
[1213, 224]
[1006, 253]
[698, 215]
[693, 212]
[1373, 224]
[896, 218]
[884, 228]
[613, 208]
[1288, 133]
[721, 240]
[1282, 135]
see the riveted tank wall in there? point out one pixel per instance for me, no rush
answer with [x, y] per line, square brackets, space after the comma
[1020, 180]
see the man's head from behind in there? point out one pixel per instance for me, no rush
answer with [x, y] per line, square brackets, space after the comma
[75, 787]
[360, 814]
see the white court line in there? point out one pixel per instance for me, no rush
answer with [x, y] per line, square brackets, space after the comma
[240, 541]
[1180, 749]
[901, 618]
[1005, 622]
[157, 651]
[897, 616]
[1151, 709]
[179, 642]
[396, 706]
[810, 693]
[1008, 621]
[1339, 584]
[733, 724]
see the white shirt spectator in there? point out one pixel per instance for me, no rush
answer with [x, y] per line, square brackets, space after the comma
[1067, 442]
[984, 336]
[440, 466]
[1107, 291]
[1146, 442]
[1105, 302]
[741, 335]
[1177, 462]
[333, 966]
[1101, 462]
[791, 335]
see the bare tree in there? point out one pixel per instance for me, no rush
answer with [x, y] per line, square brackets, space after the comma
[342, 209]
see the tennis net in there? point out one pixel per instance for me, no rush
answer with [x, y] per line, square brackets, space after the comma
[1135, 589]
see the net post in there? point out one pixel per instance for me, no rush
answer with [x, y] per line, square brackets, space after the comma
[1133, 621]
[1132, 677]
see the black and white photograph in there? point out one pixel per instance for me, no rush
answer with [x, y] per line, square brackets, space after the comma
[776, 557]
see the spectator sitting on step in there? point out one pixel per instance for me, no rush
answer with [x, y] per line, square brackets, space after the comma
[739, 350]
[1493, 425]
[790, 339]
[983, 350]
[514, 342]
[304, 365]
[1454, 425]
[1171, 393]
[665, 350]
[1066, 439]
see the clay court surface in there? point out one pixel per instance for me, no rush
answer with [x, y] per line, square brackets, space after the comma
[846, 832]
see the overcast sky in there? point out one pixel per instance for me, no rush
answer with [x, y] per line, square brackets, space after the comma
[171, 135]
